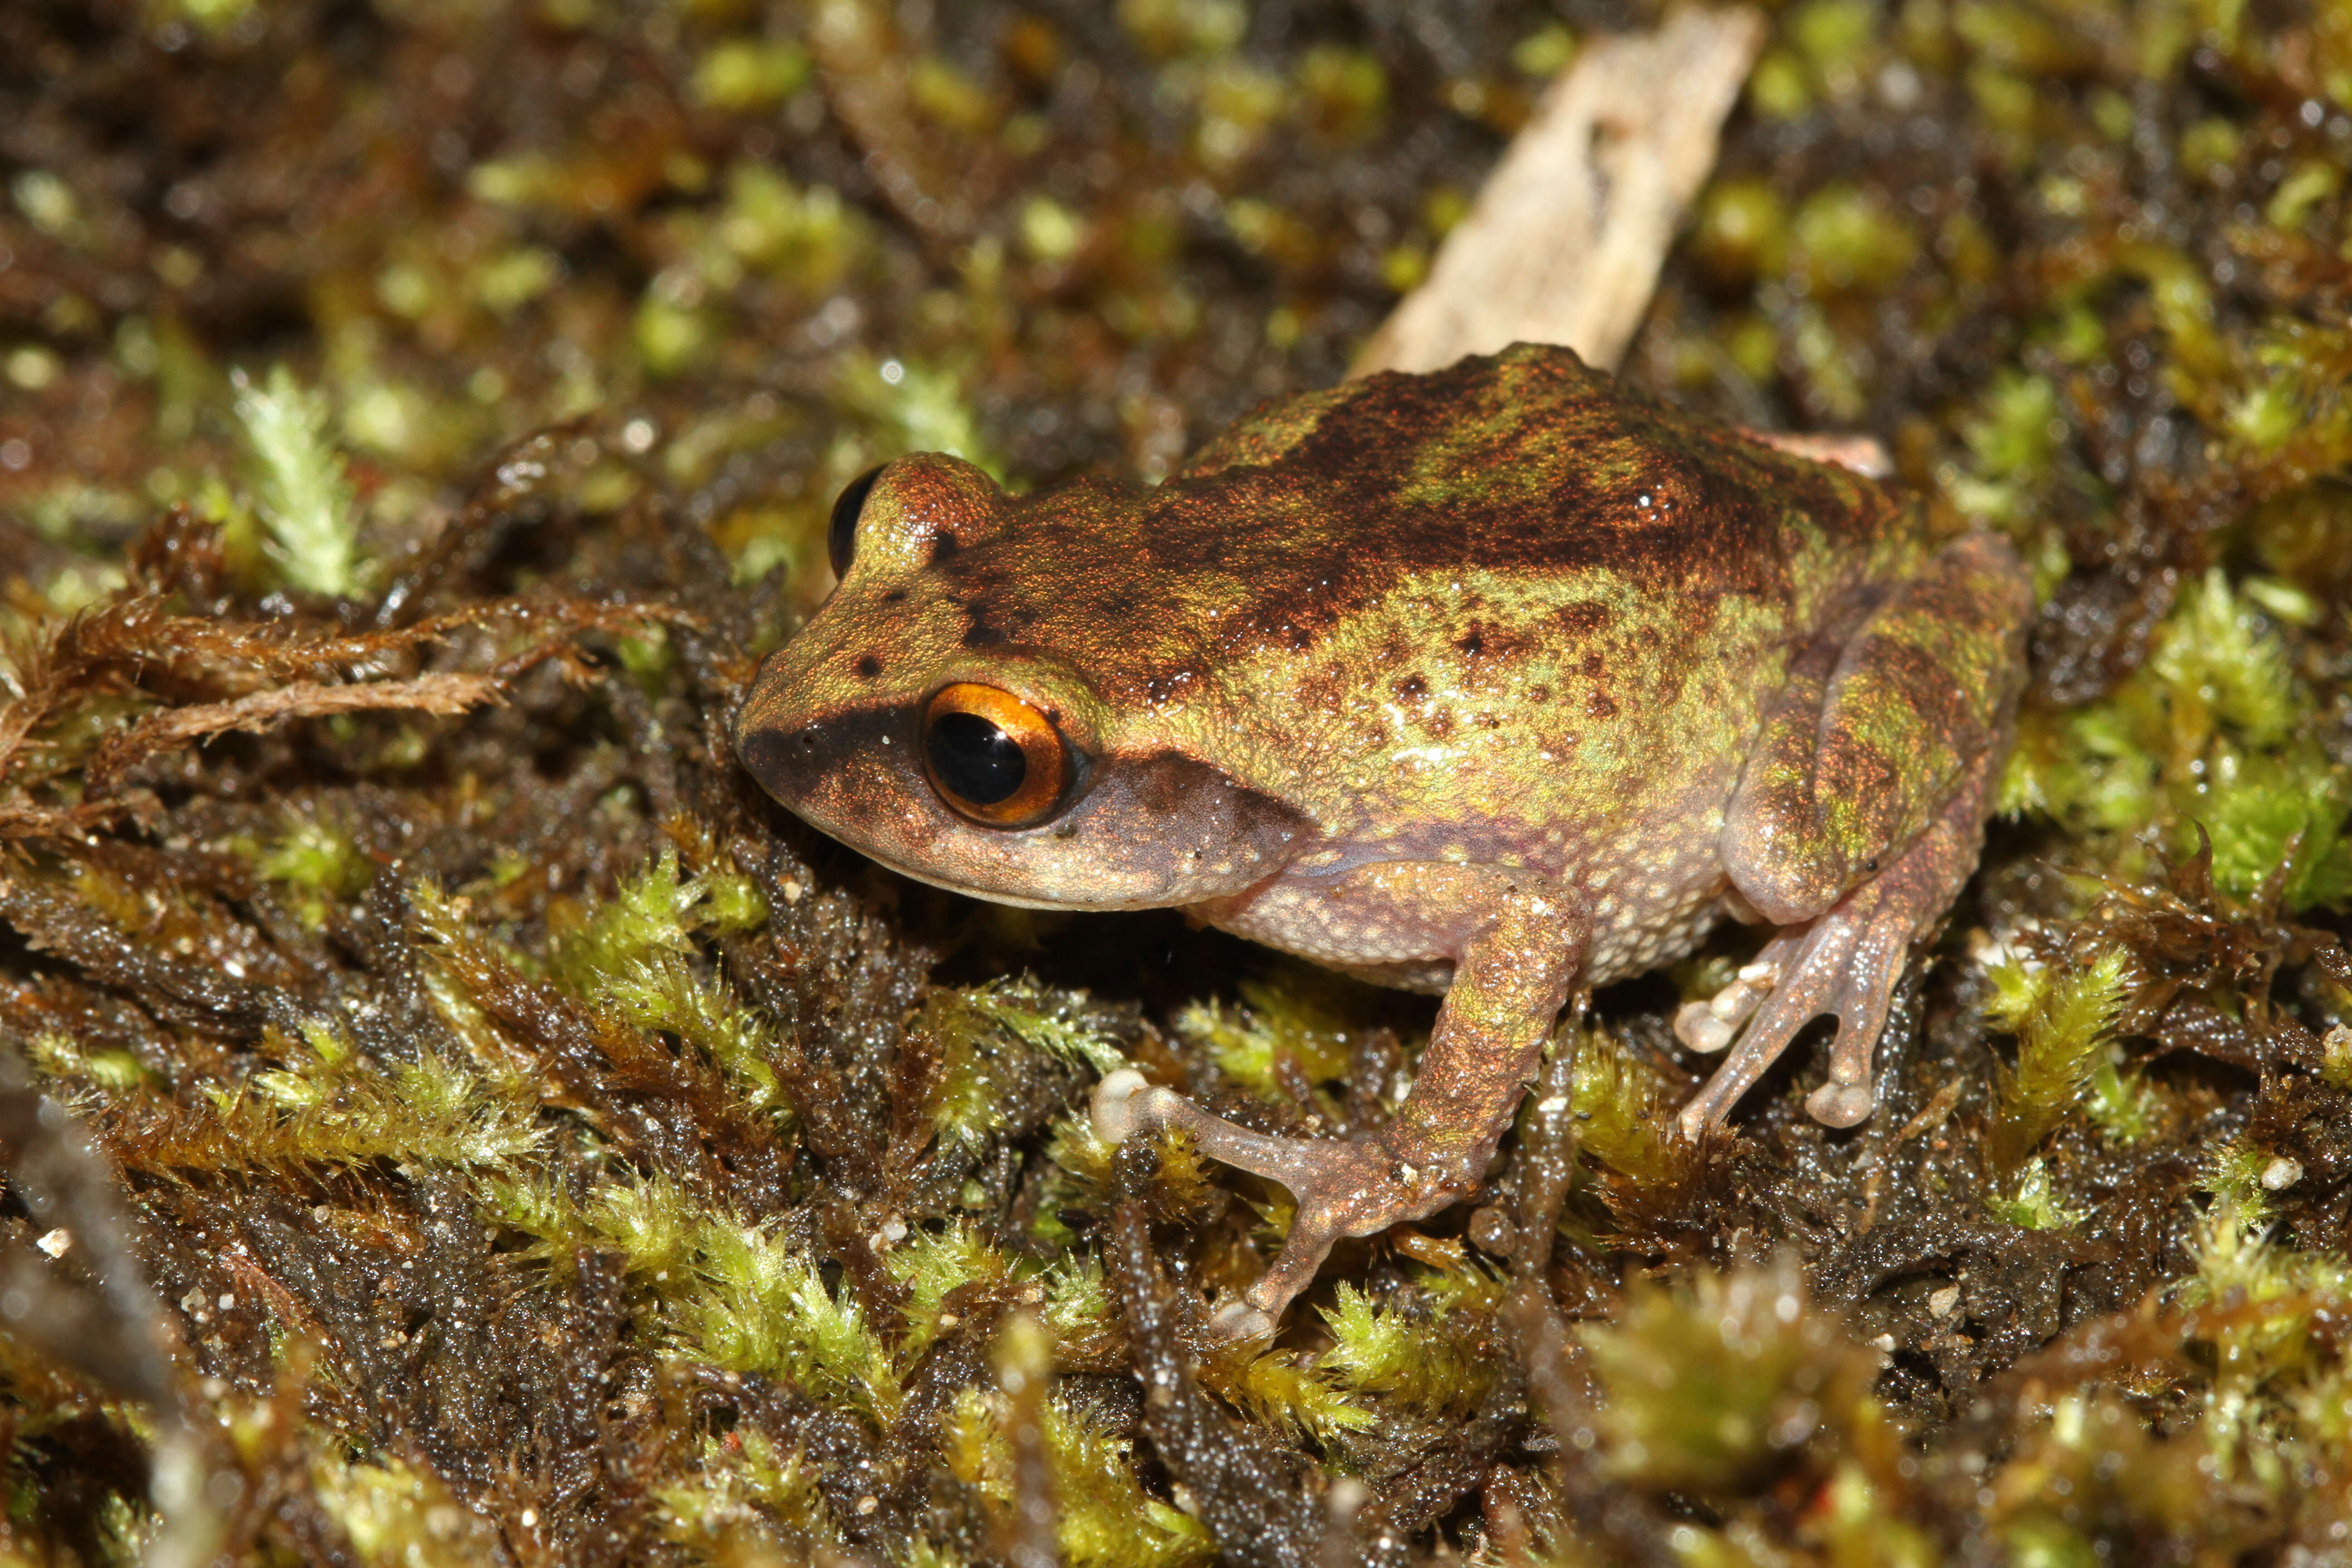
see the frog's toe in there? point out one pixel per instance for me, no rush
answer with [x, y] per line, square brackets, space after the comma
[1710, 1025]
[1237, 1320]
[1846, 963]
[1345, 1186]
[1114, 1107]
[1840, 1104]
[1697, 1027]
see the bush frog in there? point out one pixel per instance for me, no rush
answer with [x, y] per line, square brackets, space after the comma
[1501, 681]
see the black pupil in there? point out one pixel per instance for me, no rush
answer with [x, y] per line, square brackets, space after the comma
[974, 760]
[841, 539]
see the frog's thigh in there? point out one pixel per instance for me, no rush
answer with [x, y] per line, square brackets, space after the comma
[1840, 781]
[1846, 963]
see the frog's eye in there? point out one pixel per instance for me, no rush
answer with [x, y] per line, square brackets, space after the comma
[841, 539]
[993, 757]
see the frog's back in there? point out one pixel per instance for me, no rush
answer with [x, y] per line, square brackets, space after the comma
[1528, 463]
[1527, 473]
[1498, 600]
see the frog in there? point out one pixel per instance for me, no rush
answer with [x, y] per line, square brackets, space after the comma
[1504, 682]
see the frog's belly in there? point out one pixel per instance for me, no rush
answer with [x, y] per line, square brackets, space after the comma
[1642, 917]
[1638, 932]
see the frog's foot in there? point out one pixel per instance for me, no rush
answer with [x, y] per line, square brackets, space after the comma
[1354, 1186]
[1845, 961]
[1709, 1026]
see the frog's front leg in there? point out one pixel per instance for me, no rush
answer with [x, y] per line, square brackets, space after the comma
[1510, 979]
[1860, 817]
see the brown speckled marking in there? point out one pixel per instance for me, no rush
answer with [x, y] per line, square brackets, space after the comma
[1548, 484]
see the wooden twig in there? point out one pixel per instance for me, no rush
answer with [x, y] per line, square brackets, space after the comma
[1564, 243]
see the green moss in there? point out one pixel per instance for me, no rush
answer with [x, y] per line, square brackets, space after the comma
[396, 1515]
[1843, 238]
[703, 1013]
[2063, 1020]
[2336, 1062]
[1710, 1389]
[1078, 1310]
[1053, 1022]
[2206, 741]
[916, 408]
[1347, 91]
[751, 74]
[1431, 1362]
[2031, 1201]
[765, 1309]
[2013, 441]
[1290, 1394]
[2258, 1313]
[931, 1265]
[321, 865]
[750, 1499]
[1623, 1109]
[651, 918]
[1544, 53]
[301, 489]
[991, 1040]
[329, 1106]
[1103, 1516]
[2094, 1483]
[60, 1058]
[1295, 1021]
[2123, 1105]
[1742, 229]
[2234, 1173]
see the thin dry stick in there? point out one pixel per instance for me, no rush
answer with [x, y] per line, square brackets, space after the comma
[1565, 241]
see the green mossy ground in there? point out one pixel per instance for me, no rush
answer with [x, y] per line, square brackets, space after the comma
[545, 1152]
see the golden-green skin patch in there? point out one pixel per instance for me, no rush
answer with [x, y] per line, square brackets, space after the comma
[1496, 671]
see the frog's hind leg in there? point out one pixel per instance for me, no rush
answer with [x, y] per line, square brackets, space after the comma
[1860, 813]
[1844, 963]
[1869, 740]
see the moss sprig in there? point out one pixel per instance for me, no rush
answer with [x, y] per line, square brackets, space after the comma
[2064, 1018]
[300, 489]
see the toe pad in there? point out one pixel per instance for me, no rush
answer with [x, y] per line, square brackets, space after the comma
[1699, 1028]
[1114, 1108]
[1237, 1320]
[1839, 1104]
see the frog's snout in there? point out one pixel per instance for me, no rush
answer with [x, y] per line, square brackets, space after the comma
[784, 758]
[800, 756]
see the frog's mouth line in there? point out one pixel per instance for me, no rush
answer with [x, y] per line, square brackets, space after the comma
[989, 896]
[776, 756]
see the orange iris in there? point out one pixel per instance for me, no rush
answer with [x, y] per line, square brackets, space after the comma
[993, 757]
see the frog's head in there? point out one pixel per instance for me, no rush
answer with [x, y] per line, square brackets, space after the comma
[957, 708]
